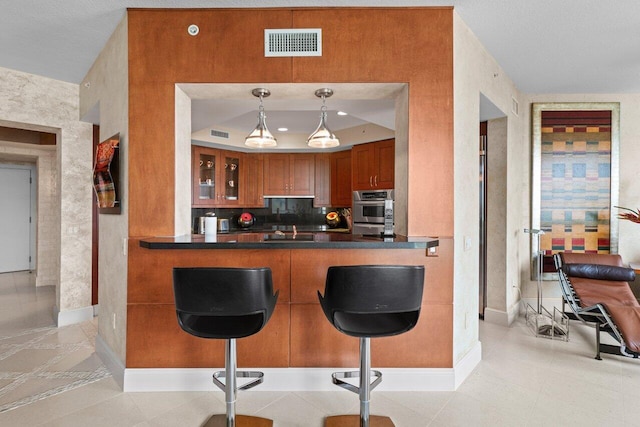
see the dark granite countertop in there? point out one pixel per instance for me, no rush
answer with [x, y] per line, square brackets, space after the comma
[302, 240]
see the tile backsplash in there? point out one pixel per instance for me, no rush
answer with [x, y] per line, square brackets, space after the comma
[277, 212]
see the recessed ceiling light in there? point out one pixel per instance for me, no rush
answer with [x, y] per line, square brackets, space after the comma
[283, 129]
[342, 113]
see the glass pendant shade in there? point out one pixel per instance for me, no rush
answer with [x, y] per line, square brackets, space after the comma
[322, 137]
[260, 137]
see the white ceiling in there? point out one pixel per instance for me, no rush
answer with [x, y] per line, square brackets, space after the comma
[228, 107]
[544, 46]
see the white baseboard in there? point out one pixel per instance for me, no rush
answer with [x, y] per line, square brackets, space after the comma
[300, 379]
[503, 318]
[111, 361]
[468, 363]
[70, 317]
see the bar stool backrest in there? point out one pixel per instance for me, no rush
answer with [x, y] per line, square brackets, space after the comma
[373, 300]
[225, 303]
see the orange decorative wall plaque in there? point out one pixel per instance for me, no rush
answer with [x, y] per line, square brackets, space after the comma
[106, 175]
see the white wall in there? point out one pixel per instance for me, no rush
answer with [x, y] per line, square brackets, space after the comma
[475, 72]
[106, 83]
[37, 103]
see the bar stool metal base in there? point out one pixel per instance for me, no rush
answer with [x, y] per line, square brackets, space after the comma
[364, 375]
[354, 421]
[230, 388]
[220, 420]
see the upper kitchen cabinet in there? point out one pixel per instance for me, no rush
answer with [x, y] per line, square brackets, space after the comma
[322, 180]
[373, 165]
[289, 175]
[253, 169]
[341, 179]
[217, 177]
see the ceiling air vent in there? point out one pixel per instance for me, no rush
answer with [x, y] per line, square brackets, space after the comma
[293, 42]
[219, 134]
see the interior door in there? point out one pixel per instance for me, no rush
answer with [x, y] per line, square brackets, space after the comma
[15, 218]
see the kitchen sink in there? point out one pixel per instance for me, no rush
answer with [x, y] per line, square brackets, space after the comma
[288, 237]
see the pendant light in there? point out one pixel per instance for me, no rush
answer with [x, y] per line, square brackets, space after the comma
[322, 137]
[260, 137]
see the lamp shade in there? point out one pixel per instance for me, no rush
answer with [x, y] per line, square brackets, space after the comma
[322, 137]
[260, 137]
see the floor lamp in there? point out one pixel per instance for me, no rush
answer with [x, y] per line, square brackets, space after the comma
[545, 323]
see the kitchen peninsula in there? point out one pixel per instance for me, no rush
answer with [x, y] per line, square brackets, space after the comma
[304, 240]
[297, 335]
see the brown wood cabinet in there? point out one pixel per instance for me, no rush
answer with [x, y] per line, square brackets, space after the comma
[341, 179]
[322, 180]
[289, 174]
[298, 334]
[217, 177]
[253, 169]
[373, 165]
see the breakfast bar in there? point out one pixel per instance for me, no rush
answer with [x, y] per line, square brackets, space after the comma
[297, 336]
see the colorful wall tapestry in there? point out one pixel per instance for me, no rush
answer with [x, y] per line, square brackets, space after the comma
[575, 181]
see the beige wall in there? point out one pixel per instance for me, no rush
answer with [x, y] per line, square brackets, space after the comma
[37, 103]
[476, 72]
[106, 84]
[497, 216]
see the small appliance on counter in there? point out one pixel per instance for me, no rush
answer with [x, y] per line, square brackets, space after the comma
[223, 225]
[199, 223]
[333, 219]
[246, 220]
[388, 219]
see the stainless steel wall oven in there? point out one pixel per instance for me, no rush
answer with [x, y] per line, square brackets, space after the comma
[368, 210]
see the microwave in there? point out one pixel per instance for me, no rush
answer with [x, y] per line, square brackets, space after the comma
[368, 206]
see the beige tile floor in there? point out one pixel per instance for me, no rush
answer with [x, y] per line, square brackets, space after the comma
[51, 377]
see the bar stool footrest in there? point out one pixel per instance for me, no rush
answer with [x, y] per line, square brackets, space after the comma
[337, 379]
[259, 378]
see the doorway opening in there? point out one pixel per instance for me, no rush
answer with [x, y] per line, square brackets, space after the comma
[492, 155]
[17, 217]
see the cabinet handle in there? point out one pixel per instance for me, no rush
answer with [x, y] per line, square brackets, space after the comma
[370, 181]
[375, 181]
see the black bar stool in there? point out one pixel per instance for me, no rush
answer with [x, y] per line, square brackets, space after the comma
[368, 301]
[226, 303]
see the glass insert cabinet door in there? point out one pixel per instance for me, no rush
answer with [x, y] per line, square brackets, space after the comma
[574, 180]
[231, 177]
[216, 177]
[207, 176]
